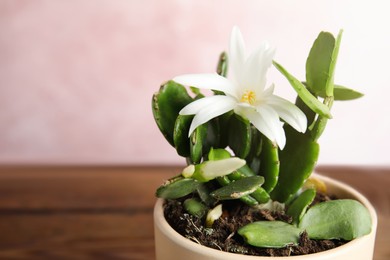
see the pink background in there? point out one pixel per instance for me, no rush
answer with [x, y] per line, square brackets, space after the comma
[77, 77]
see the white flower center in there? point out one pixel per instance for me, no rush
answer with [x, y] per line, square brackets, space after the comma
[249, 97]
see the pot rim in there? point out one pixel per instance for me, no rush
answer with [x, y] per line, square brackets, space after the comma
[191, 245]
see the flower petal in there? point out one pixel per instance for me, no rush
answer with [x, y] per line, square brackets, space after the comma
[236, 53]
[256, 66]
[288, 112]
[266, 120]
[199, 104]
[211, 111]
[207, 81]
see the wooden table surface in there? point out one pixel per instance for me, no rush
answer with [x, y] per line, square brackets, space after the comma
[71, 212]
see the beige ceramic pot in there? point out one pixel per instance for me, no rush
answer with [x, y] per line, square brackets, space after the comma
[171, 245]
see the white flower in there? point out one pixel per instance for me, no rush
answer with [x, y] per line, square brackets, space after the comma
[245, 93]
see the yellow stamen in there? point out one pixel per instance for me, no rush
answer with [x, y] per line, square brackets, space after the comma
[249, 97]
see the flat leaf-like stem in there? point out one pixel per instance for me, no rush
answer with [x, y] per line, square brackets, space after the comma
[297, 162]
[275, 234]
[337, 219]
[239, 188]
[344, 93]
[166, 104]
[177, 189]
[269, 166]
[298, 207]
[195, 207]
[180, 134]
[308, 98]
[318, 65]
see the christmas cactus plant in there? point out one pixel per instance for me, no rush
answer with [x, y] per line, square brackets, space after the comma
[244, 143]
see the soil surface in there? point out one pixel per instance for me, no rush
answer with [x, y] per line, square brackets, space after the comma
[223, 234]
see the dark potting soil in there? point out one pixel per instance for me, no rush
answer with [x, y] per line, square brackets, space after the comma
[223, 234]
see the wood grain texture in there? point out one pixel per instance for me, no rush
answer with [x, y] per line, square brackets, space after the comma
[63, 212]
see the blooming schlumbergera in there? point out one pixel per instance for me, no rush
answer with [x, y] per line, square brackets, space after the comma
[245, 93]
[245, 143]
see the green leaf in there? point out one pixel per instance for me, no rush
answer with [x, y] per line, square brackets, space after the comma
[195, 207]
[269, 166]
[270, 234]
[343, 93]
[297, 162]
[337, 219]
[180, 135]
[298, 207]
[239, 188]
[240, 135]
[177, 189]
[166, 104]
[310, 100]
[318, 65]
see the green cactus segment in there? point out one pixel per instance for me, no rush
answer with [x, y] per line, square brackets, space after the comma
[344, 93]
[319, 76]
[269, 166]
[309, 99]
[180, 135]
[337, 219]
[177, 189]
[240, 138]
[332, 67]
[299, 206]
[223, 122]
[245, 171]
[204, 191]
[297, 162]
[253, 158]
[166, 104]
[261, 195]
[195, 207]
[197, 144]
[310, 114]
[239, 188]
[249, 200]
[222, 66]
[218, 154]
[270, 234]
[319, 125]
